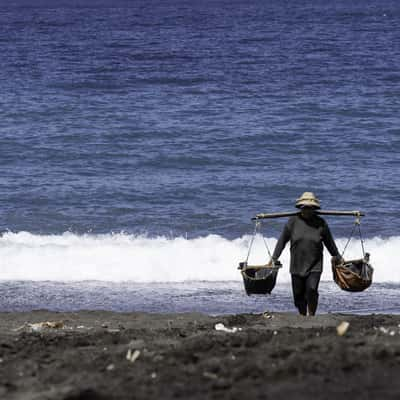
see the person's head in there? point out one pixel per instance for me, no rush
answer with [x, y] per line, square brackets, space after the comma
[307, 212]
[308, 204]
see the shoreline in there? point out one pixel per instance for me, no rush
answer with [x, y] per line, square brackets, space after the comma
[110, 355]
[213, 298]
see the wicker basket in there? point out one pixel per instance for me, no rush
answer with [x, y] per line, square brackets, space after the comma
[259, 279]
[353, 276]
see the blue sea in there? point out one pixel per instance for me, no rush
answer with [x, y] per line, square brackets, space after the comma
[138, 138]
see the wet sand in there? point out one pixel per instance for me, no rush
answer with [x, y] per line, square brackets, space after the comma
[272, 356]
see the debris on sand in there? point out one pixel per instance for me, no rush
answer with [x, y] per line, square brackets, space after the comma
[42, 325]
[223, 328]
[210, 375]
[132, 356]
[113, 330]
[386, 331]
[342, 328]
[267, 315]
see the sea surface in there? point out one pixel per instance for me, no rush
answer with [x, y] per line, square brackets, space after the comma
[138, 138]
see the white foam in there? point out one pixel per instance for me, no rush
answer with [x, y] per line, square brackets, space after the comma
[123, 257]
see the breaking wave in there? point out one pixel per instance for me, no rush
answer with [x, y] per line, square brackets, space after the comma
[123, 257]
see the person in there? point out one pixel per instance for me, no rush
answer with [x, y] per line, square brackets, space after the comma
[307, 232]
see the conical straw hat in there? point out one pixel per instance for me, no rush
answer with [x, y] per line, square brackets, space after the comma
[307, 199]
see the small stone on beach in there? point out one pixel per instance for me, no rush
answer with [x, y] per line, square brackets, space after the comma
[110, 367]
[342, 328]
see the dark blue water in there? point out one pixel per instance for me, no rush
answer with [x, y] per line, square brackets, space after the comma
[184, 117]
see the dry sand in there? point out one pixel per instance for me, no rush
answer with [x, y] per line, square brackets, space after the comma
[273, 356]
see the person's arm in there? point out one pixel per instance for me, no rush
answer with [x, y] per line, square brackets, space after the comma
[284, 238]
[329, 242]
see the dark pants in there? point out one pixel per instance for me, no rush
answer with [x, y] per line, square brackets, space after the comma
[305, 292]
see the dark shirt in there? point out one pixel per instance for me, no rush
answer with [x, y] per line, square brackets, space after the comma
[306, 239]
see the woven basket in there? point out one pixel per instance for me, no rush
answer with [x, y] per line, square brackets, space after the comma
[353, 276]
[259, 279]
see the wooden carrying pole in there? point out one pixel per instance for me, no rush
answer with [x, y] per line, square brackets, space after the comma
[320, 212]
[333, 212]
[275, 215]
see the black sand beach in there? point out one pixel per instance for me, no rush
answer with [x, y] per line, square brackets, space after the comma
[272, 356]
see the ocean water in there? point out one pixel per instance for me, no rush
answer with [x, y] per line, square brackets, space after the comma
[138, 138]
